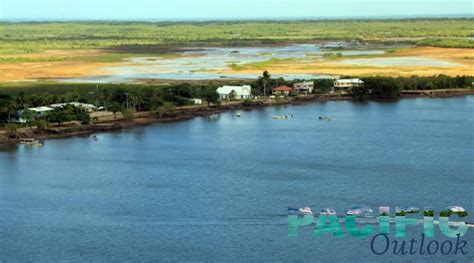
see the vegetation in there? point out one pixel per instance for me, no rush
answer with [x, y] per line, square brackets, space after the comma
[447, 42]
[428, 213]
[448, 213]
[15, 100]
[144, 37]
[163, 99]
[390, 88]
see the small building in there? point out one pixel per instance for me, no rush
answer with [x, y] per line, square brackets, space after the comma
[196, 101]
[282, 90]
[88, 107]
[235, 92]
[305, 87]
[348, 83]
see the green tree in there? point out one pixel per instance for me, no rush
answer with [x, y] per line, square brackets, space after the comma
[168, 109]
[28, 116]
[59, 116]
[115, 107]
[7, 108]
[128, 114]
[266, 77]
[210, 95]
[40, 124]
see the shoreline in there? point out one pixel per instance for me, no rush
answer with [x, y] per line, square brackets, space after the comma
[190, 112]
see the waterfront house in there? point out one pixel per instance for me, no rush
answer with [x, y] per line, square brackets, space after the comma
[305, 87]
[282, 90]
[235, 92]
[347, 84]
[88, 107]
[38, 112]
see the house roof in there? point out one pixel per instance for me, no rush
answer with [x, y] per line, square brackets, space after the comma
[282, 88]
[41, 109]
[76, 104]
[241, 90]
[349, 81]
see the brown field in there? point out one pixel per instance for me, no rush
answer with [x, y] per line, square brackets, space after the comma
[48, 70]
[71, 63]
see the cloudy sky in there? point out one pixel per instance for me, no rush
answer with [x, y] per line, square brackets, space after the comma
[226, 9]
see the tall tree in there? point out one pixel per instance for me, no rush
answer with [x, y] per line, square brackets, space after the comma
[115, 107]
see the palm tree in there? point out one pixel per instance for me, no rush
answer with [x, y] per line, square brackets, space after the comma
[115, 107]
[28, 116]
[266, 78]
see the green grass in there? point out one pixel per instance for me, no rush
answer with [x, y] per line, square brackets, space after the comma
[25, 60]
[447, 42]
[262, 64]
[17, 38]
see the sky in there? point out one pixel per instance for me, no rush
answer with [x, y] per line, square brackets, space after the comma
[225, 9]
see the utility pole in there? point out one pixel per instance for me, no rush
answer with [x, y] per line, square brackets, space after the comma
[97, 95]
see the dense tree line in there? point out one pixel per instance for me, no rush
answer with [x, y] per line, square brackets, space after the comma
[113, 98]
[390, 87]
[128, 99]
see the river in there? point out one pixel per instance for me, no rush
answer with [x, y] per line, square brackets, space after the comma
[218, 190]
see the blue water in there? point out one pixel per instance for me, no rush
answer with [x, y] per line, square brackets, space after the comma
[218, 190]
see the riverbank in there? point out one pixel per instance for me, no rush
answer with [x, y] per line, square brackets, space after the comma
[188, 112]
[145, 118]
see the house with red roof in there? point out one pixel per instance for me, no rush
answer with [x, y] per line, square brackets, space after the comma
[282, 90]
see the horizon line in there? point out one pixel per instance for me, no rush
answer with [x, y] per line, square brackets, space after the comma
[211, 19]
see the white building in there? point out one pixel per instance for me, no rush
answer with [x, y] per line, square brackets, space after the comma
[88, 107]
[38, 112]
[348, 83]
[196, 101]
[235, 92]
[304, 87]
[41, 111]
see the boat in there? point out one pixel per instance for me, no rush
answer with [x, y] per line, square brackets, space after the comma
[360, 211]
[300, 211]
[325, 118]
[213, 116]
[328, 212]
[280, 117]
[31, 142]
[238, 114]
[95, 138]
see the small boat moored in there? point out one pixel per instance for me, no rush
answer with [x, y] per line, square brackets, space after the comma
[31, 142]
[328, 212]
[300, 211]
[280, 117]
[213, 116]
[325, 118]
